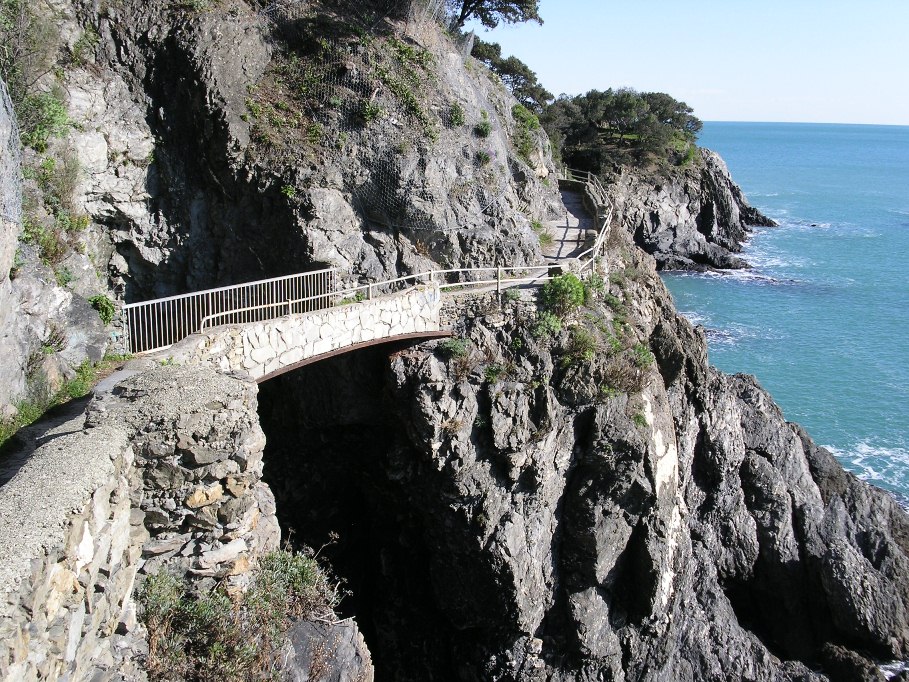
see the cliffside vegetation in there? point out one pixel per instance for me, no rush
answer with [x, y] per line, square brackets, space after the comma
[240, 636]
[601, 130]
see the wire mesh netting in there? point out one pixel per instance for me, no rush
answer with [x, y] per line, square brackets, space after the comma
[10, 161]
[336, 79]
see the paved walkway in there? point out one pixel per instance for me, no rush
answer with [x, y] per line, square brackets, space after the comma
[569, 233]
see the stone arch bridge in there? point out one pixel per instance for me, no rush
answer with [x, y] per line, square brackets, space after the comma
[265, 328]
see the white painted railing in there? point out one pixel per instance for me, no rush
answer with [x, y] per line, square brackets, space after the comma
[158, 324]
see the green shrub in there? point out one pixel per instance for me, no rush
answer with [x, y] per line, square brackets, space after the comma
[314, 133]
[563, 294]
[594, 286]
[84, 46]
[639, 420]
[63, 275]
[453, 348]
[104, 306]
[525, 117]
[42, 116]
[484, 127]
[483, 157]
[455, 116]
[213, 636]
[642, 356]
[369, 111]
[289, 191]
[582, 347]
[493, 372]
[546, 325]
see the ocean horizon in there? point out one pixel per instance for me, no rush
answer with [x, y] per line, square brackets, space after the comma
[821, 318]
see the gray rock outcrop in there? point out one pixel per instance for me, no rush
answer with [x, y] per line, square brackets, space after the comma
[691, 218]
[515, 512]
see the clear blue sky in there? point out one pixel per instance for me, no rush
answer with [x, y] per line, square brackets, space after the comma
[740, 60]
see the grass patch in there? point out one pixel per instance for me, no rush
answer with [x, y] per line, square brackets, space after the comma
[39, 399]
[217, 636]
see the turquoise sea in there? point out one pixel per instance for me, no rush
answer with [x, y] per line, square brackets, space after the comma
[822, 318]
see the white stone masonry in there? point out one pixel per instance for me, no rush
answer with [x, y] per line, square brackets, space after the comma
[263, 348]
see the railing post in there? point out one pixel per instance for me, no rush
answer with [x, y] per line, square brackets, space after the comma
[499, 284]
[369, 292]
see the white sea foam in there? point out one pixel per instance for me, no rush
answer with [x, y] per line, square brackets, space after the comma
[891, 670]
[695, 318]
[887, 467]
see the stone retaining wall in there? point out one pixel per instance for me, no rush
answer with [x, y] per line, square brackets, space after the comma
[164, 472]
[264, 348]
[71, 547]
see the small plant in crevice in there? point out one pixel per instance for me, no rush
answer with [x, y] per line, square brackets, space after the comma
[453, 347]
[546, 325]
[369, 111]
[104, 306]
[493, 372]
[483, 128]
[608, 392]
[455, 116]
[289, 191]
[543, 234]
[642, 355]
[482, 157]
[512, 294]
[581, 348]
[639, 420]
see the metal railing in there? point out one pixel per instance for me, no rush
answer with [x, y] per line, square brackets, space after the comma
[154, 325]
[158, 324]
[602, 207]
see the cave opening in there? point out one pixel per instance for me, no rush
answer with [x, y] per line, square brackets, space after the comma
[335, 459]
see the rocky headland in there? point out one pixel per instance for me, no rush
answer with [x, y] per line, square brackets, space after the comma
[571, 494]
[690, 218]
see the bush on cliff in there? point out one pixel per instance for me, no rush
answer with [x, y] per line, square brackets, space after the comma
[563, 294]
[218, 636]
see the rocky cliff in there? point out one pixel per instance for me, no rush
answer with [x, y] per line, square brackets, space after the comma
[689, 218]
[221, 144]
[573, 507]
[573, 501]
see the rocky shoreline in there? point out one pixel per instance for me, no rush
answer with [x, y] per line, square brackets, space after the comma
[694, 218]
[561, 497]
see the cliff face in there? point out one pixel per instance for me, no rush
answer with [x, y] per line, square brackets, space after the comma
[530, 510]
[691, 218]
[589, 503]
[217, 145]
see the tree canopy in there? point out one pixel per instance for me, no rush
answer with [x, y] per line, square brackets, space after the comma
[618, 126]
[517, 76]
[491, 12]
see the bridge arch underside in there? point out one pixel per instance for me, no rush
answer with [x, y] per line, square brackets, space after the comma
[341, 461]
[394, 343]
